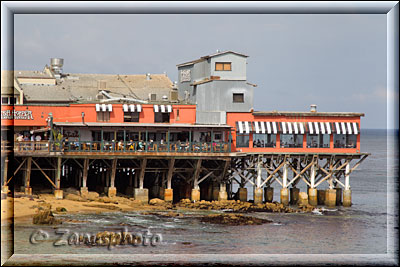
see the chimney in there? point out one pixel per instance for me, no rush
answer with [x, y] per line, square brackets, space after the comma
[313, 108]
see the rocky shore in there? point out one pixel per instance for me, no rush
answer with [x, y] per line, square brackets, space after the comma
[41, 208]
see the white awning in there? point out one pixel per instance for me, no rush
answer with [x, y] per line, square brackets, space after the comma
[268, 127]
[103, 107]
[257, 128]
[132, 108]
[355, 127]
[274, 127]
[328, 127]
[169, 108]
[155, 108]
[246, 124]
[310, 128]
[301, 128]
[349, 128]
[343, 128]
[316, 128]
[284, 127]
[162, 108]
[289, 127]
[110, 107]
[337, 127]
[125, 107]
[97, 107]
[296, 129]
[322, 127]
[240, 127]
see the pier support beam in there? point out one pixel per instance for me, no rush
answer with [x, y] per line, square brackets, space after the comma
[285, 190]
[28, 188]
[84, 190]
[223, 195]
[112, 190]
[168, 192]
[58, 193]
[268, 194]
[347, 191]
[242, 194]
[4, 187]
[141, 193]
[196, 189]
[312, 191]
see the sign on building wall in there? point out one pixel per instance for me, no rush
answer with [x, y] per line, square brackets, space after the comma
[16, 115]
[185, 76]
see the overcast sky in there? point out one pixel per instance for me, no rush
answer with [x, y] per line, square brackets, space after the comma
[335, 61]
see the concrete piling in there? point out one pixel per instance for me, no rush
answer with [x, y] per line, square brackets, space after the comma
[321, 196]
[347, 198]
[269, 194]
[168, 194]
[141, 194]
[330, 197]
[112, 192]
[222, 195]
[313, 196]
[338, 196]
[195, 195]
[258, 196]
[294, 195]
[58, 193]
[242, 194]
[303, 199]
[84, 192]
[285, 196]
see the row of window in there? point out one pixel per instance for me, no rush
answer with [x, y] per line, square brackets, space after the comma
[134, 117]
[296, 140]
[8, 100]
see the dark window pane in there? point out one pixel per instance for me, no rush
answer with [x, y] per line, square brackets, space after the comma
[238, 98]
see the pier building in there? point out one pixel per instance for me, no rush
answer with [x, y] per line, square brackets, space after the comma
[146, 137]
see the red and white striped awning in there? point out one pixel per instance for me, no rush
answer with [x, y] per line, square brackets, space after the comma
[163, 108]
[346, 128]
[243, 126]
[265, 127]
[288, 127]
[103, 107]
[132, 108]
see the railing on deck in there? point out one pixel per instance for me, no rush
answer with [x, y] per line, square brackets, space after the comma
[6, 146]
[127, 147]
[31, 146]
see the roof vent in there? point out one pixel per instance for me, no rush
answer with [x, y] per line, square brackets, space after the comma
[165, 98]
[56, 65]
[148, 77]
[313, 108]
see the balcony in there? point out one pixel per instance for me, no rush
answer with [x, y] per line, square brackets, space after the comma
[44, 147]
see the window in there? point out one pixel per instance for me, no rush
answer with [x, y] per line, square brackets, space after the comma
[344, 141]
[242, 140]
[223, 66]
[238, 98]
[103, 116]
[264, 140]
[318, 140]
[131, 116]
[161, 117]
[4, 100]
[291, 140]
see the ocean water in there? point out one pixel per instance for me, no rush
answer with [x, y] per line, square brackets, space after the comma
[360, 229]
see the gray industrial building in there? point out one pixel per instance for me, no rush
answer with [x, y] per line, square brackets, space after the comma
[217, 84]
